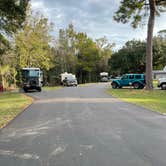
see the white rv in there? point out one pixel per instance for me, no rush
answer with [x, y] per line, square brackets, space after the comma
[68, 79]
[104, 77]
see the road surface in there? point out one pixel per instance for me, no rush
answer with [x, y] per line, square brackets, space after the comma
[83, 126]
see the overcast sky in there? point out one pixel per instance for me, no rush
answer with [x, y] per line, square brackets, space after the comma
[93, 17]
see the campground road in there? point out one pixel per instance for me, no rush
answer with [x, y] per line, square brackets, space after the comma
[83, 126]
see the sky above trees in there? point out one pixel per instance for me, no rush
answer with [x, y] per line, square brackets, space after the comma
[95, 17]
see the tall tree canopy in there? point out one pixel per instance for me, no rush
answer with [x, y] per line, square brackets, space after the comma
[75, 52]
[32, 43]
[88, 58]
[66, 49]
[136, 10]
[131, 58]
[12, 14]
[105, 52]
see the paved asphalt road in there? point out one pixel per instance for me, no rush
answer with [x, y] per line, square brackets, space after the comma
[83, 126]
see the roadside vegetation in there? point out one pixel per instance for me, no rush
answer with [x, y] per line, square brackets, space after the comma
[154, 100]
[70, 51]
[11, 104]
[48, 88]
[133, 56]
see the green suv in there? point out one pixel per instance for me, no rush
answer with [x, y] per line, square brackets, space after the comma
[135, 80]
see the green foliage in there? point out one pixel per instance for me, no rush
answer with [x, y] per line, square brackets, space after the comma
[88, 58]
[8, 71]
[129, 59]
[105, 52]
[162, 33]
[77, 53]
[34, 47]
[130, 9]
[12, 14]
[66, 49]
[7, 74]
[159, 52]
[4, 45]
[32, 43]
[135, 10]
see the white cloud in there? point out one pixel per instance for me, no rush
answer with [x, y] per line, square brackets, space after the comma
[93, 17]
[39, 6]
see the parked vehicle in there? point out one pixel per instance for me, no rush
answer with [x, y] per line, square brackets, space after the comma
[135, 80]
[32, 79]
[162, 83]
[68, 79]
[104, 77]
[111, 77]
[70, 82]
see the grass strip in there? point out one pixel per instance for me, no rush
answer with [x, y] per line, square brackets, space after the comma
[47, 88]
[154, 100]
[11, 104]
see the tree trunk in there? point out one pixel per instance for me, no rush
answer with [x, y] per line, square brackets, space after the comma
[149, 45]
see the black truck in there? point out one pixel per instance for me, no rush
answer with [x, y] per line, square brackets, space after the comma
[32, 79]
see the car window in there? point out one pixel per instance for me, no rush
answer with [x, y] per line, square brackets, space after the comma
[131, 76]
[137, 76]
[125, 77]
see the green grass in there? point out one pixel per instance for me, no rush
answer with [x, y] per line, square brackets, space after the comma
[11, 104]
[51, 87]
[155, 83]
[154, 100]
[87, 84]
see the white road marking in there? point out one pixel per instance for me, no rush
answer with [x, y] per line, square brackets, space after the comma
[78, 100]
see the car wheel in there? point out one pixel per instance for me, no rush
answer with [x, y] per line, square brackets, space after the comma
[39, 89]
[163, 86]
[136, 85]
[114, 85]
[25, 90]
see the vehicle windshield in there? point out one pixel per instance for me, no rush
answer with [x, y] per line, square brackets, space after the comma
[34, 73]
[71, 79]
[30, 73]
